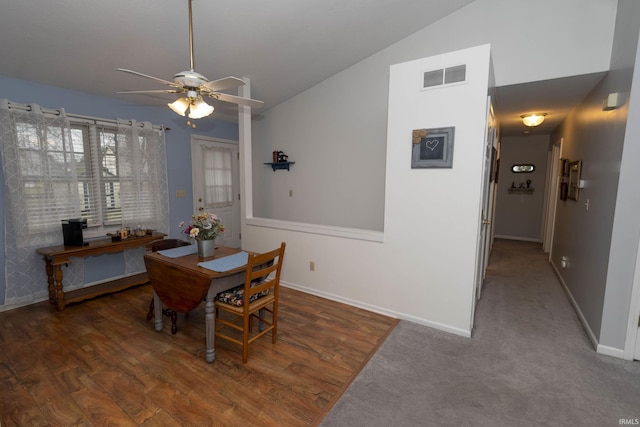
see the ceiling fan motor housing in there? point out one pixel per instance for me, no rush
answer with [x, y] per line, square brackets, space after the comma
[190, 79]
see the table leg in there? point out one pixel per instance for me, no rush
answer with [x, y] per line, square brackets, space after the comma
[261, 324]
[50, 280]
[210, 322]
[59, 292]
[157, 311]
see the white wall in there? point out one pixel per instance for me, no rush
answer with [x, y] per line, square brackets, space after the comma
[518, 215]
[424, 269]
[336, 130]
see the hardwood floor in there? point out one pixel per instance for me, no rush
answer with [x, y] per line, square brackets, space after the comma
[99, 362]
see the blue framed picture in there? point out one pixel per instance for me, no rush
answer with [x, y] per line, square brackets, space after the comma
[432, 148]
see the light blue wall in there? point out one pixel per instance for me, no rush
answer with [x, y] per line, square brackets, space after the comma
[177, 142]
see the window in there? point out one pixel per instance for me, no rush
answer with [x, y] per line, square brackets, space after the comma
[74, 167]
[57, 166]
[45, 162]
[217, 176]
[96, 153]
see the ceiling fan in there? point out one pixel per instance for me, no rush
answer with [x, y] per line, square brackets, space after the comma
[195, 86]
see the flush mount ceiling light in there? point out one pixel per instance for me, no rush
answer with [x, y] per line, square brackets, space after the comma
[534, 119]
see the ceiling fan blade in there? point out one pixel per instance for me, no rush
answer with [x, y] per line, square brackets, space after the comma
[237, 100]
[152, 91]
[136, 73]
[222, 84]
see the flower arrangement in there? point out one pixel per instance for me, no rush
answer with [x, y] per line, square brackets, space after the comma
[203, 226]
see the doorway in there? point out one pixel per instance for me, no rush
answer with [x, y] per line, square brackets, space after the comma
[216, 184]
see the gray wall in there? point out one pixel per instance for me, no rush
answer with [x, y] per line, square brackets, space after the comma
[600, 265]
[336, 131]
[519, 216]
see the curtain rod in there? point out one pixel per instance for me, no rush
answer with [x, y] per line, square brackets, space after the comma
[55, 112]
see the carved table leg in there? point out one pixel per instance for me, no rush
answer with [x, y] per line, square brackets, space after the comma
[50, 280]
[59, 292]
[157, 311]
[210, 328]
[151, 307]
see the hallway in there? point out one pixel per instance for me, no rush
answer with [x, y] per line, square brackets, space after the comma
[528, 363]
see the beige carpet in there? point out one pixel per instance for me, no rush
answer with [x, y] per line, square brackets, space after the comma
[529, 363]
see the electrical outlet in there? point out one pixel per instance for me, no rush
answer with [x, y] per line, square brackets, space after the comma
[312, 266]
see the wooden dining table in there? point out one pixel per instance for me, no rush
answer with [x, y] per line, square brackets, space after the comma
[181, 285]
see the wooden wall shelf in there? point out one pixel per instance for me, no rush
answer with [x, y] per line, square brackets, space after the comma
[280, 165]
[521, 190]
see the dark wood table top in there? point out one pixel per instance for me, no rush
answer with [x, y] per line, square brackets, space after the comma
[60, 254]
[180, 283]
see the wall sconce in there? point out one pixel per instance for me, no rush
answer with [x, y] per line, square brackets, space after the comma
[534, 119]
[613, 101]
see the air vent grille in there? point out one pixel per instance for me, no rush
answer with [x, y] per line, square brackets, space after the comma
[444, 76]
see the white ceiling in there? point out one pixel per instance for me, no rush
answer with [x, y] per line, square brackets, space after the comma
[283, 46]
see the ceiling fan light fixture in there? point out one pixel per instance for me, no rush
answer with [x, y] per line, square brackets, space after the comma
[179, 106]
[199, 109]
[533, 120]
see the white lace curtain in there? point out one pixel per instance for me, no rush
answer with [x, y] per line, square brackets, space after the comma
[142, 166]
[218, 178]
[41, 189]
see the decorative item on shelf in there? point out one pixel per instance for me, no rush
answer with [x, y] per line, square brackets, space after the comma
[521, 188]
[204, 228]
[124, 232]
[280, 161]
[282, 157]
[140, 231]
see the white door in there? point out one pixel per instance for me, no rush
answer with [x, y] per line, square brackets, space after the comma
[216, 184]
[485, 231]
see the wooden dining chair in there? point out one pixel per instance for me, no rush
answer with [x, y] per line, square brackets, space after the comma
[251, 301]
[160, 245]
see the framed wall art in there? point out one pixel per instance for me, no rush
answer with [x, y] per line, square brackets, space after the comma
[432, 148]
[575, 169]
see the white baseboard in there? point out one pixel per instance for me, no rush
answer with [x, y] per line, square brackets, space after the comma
[523, 239]
[379, 310]
[583, 320]
[610, 351]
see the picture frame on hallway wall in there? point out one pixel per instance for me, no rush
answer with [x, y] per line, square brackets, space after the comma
[432, 148]
[575, 169]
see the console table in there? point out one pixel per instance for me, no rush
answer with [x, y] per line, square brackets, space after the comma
[56, 256]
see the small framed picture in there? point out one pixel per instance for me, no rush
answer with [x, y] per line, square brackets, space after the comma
[575, 169]
[432, 148]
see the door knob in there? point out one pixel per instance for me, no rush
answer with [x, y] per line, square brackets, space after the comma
[200, 208]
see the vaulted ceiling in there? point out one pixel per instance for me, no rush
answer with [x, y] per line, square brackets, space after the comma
[283, 46]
